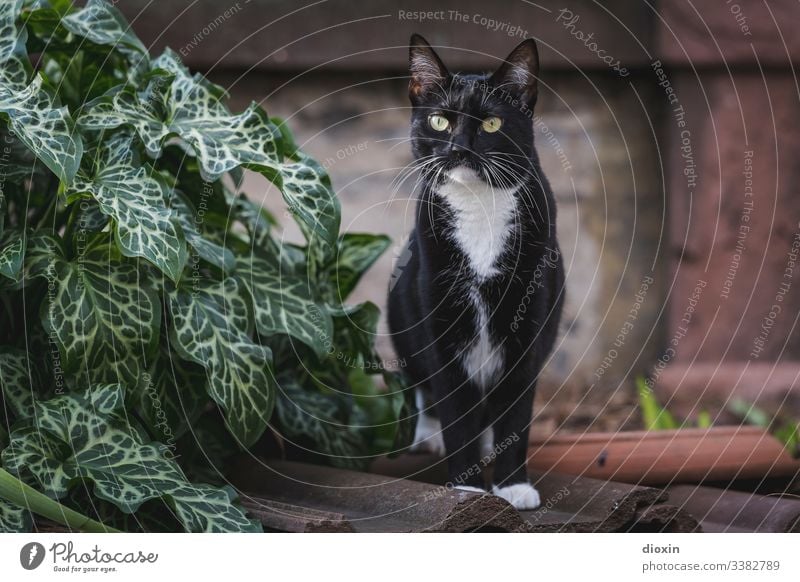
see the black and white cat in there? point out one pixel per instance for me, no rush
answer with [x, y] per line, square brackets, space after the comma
[476, 308]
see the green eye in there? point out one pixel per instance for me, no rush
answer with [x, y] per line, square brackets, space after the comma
[438, 122]
[491, 124]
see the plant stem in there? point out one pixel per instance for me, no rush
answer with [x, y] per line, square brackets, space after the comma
[18, 493]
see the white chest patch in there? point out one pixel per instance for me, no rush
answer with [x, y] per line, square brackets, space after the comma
[482, 359]
[483, 218]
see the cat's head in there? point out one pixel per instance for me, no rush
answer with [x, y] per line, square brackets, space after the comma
[475, 125]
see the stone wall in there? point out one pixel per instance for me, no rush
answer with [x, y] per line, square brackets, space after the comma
[647, 120]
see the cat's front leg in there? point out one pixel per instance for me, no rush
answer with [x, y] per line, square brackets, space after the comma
[460, 411]
[511, 412]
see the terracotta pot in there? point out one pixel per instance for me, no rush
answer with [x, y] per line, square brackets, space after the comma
[667, 456]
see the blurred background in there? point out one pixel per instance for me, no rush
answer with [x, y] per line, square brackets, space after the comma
[670, 132]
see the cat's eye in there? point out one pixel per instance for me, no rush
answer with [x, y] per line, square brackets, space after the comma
[438, 122]
[491, 124]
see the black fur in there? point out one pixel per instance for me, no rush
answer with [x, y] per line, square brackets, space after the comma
[430, 318]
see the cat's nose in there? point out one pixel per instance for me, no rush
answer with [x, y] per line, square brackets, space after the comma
[460, 145]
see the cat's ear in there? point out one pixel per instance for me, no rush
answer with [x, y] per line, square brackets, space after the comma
[519, 74]
[427, 69]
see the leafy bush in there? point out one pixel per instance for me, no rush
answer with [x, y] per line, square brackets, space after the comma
[151, 323]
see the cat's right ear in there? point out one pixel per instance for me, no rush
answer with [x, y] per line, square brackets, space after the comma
[427, 69]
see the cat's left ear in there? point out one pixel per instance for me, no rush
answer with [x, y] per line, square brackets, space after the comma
[427, 69]
[519, 74]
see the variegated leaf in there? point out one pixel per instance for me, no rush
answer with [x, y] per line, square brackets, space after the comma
[191, 223]
[223, 142]
[14, 519]
[40, 457]
[145, 111]
[80, 437]
[207, 448]
[319, 424]
[283, 304]
[311, 200]
[256, 219]
[18, 382]
[210, 324]
[103, 317]
[135, 196]
[14, 64]
[12, 251]
[89, 218]
[123, 471]
[102, 24]
[356, 252]
[9, 10]
[173, 396]
[77, 418]
[207, 509]
[42, 253]
[47, 130]
[355, 329]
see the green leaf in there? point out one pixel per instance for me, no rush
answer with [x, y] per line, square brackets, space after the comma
[355, 329]
[210, 326]
[203, 508]
[789, 435]
[192, 109]
[257, 220]
[80, 77]
[380, 410]
[307, 190]
[12, 252]
[191, 223]
[9, 11]
[405, 410]
[283, 304]
[18, 382]
[103, 317]
[47, 130]
[655, 417]
[14, 519]
[101, 23]
[14, 65]
[319, 424]
[356, 252]
[704, 419]
[205, 450]
[750, 413]
[135, 196]
[145, 111]
[178, 103]
[82, 437]
[42, 254]
[389, 411]
[172, 397]
[30, 453]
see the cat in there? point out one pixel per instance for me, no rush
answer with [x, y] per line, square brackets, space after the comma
[475, 311]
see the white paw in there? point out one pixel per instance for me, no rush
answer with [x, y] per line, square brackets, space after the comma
[428, 436]
[470, 488]
[487, 443]
[520, 495]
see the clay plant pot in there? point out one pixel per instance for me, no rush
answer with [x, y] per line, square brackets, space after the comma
[663, 457]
